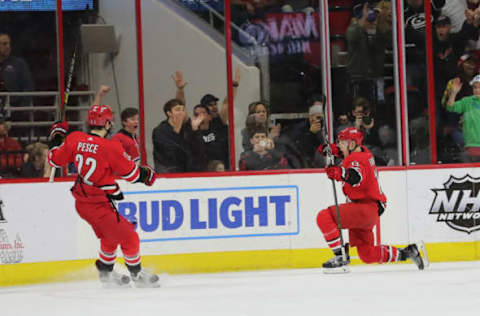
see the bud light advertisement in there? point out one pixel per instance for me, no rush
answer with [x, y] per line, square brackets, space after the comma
[212, 213]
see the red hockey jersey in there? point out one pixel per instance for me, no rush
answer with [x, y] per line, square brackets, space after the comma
[129, 143]
[97, 160]
[368, 188]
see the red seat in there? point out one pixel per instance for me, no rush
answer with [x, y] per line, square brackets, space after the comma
[339, 21]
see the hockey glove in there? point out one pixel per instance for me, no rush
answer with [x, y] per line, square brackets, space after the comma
[58, 131]
[147, 175]
[323, 149]
[336, 173]
[60, 128]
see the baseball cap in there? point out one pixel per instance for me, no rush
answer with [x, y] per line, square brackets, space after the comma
[475, 79]
[207, 98]
[442, 20]
[315, 109]
[464, 58]
[358, 12]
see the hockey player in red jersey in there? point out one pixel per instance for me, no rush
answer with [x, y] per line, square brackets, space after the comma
[97, 160]
[366, 202]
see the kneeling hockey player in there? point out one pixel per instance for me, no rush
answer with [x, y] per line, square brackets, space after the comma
[359, 177]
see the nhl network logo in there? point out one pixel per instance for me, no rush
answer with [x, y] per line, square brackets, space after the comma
[458, 204]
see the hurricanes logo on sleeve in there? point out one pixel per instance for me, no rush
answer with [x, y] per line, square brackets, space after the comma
[458, 204]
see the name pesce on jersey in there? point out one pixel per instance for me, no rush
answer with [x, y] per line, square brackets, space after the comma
[87, 147]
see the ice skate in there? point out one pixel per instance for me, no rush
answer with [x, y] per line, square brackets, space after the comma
[414, 253]
[338, 264]
[111, 279]
[145, 278]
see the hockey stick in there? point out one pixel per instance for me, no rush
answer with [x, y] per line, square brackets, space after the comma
[330, 162]
[63, 109]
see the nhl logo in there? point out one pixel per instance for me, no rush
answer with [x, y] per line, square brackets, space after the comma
[458, 204]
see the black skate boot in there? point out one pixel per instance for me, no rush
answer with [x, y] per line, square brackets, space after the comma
[338, 264]
[412, 252]
[110, 278]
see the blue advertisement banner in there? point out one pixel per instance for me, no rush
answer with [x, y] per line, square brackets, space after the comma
[208, 213]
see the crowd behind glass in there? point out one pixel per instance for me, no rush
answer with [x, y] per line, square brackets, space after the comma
[362, 85]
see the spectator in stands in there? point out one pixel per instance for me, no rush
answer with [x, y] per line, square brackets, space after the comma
[10, 152]
[262, 156]
[308, 135]
[35, 165]
[383, 10]
[177, 141]
[469, 107]
[258, 114]
[214, 128]
[448, 47]
[212, 101]
[467, 69]
[128, 134]
[363, 117]
[215, 166]
[15, 76]
[414, 16]
[366, 53]
[214, 135]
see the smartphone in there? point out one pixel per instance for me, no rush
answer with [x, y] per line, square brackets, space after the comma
[271, 121]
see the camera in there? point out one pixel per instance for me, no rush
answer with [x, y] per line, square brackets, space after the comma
[366, 119]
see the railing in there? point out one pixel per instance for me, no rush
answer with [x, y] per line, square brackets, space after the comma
[7, 108]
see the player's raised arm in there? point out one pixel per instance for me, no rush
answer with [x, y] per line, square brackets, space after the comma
[102, 91]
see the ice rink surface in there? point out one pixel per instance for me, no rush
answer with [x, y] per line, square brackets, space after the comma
[443, 289]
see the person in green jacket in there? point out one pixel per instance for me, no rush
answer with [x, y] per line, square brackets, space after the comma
[470, 108]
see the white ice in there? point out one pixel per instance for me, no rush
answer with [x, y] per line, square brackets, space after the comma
[443, 289]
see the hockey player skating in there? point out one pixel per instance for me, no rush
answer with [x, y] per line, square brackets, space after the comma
[97, 160]
[358, 174]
